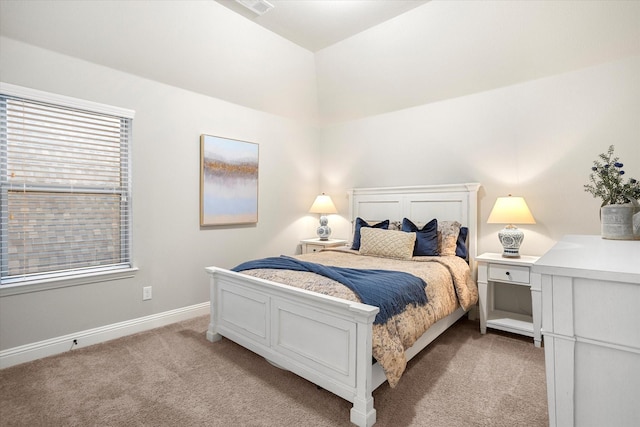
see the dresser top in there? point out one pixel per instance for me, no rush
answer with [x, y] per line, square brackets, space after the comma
[592, 257]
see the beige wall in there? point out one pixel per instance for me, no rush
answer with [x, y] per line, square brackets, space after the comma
[169, 247]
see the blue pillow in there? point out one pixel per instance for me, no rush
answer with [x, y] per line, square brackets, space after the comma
[362, 223]
[426, 238]
[461, 244]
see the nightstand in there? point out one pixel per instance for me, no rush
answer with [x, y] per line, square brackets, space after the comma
[316, 245]
[495, 269]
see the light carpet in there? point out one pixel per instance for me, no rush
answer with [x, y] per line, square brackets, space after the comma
[173, 376]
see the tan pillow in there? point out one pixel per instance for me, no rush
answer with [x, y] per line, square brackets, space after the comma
[386, 243]
[447, 237]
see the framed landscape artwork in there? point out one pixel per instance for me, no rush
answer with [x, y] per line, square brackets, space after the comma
[228, 181]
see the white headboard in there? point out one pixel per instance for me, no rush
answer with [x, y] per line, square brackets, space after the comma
[448, 202]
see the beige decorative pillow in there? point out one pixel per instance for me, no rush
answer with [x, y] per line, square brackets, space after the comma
[387, 243]
[447, 237]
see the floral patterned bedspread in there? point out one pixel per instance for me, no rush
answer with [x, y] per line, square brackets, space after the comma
[449, 284]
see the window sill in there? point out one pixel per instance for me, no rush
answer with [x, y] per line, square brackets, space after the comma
[64, 282]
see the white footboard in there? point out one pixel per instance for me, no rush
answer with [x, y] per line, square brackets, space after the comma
[324, 339]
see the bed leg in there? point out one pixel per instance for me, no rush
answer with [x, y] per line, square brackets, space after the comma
[212, 334]
[363, 414]
[213, 337]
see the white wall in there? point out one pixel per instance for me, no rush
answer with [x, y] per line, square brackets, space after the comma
[536, 139]
[519, 96]
[169, 247]
[519, 99]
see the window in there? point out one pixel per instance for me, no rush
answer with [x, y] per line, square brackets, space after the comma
[65, 188]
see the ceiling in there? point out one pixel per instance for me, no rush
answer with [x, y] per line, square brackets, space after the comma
[390, 59]
[316, 24]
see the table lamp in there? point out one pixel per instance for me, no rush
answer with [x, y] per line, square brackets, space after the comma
[510, 210]
[324, 206]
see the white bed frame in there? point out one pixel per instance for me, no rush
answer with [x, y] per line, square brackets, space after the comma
[324, 339]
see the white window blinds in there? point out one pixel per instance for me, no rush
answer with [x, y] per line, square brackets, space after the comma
[65, 190]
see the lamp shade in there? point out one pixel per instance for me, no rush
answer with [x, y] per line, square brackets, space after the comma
[510, 210]
[323, 205]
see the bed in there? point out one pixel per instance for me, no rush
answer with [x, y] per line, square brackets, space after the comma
[329, 338]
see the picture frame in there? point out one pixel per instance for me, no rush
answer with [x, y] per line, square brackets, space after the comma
[228, 181]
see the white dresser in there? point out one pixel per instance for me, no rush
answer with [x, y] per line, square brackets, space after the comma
[590, 290]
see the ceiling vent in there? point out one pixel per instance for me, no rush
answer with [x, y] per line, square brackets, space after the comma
[257, 6]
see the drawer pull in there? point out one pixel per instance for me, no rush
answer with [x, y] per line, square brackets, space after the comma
[509, 273]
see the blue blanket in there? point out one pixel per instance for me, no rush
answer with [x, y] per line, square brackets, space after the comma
[391, 291]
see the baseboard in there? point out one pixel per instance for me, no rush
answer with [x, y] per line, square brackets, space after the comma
[26, 353]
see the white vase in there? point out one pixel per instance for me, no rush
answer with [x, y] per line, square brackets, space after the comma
[620, 222]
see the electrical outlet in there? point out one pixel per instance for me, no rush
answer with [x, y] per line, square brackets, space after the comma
[146, 293]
